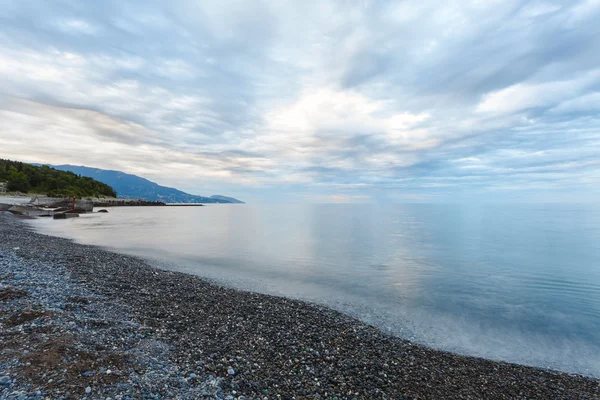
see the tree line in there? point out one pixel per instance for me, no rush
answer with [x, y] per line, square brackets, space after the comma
[25, 178]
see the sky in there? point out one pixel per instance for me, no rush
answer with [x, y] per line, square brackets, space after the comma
[311, 101]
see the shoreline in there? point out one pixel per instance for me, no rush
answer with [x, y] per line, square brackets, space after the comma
[221, 341]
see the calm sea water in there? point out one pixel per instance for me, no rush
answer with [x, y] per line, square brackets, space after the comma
[518, 283]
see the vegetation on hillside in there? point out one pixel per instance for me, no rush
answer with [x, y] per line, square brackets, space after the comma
[135, 187]
[22, 177]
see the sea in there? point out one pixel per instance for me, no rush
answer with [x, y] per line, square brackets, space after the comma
[513, 282]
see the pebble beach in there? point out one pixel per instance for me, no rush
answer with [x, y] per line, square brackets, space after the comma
[77, 321]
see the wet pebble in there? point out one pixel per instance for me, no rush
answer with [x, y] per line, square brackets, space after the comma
[157, 324]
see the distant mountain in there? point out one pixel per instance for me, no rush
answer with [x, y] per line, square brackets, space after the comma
[226, 199]
[136, 187]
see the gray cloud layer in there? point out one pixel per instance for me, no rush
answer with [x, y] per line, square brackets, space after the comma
[346, 101]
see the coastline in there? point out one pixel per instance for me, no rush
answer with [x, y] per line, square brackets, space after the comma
[214, 342]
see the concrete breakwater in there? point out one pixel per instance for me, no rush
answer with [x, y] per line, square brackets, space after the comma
[48, 206]
[127, 202]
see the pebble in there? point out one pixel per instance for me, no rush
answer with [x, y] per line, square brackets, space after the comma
[5, 380]
[167, 322]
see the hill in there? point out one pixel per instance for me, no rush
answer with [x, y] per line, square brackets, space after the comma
[133, 186]
[226, 199]
[22, 177]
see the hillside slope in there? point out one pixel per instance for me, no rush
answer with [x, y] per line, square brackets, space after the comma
[23, 177]
[133, 186]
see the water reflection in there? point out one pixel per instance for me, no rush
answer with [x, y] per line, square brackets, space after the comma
[517, 283]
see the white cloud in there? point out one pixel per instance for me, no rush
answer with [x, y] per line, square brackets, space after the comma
[586, 103]
[328, 112]
[584, 10]
[523, 96]
[537, 9]
[76, 26]
[68, 135]
[359, 94]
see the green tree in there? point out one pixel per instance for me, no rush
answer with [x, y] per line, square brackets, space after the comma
[18, 182]
[45, 180]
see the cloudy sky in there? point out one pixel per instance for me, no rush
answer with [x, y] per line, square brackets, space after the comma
[311, 101]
